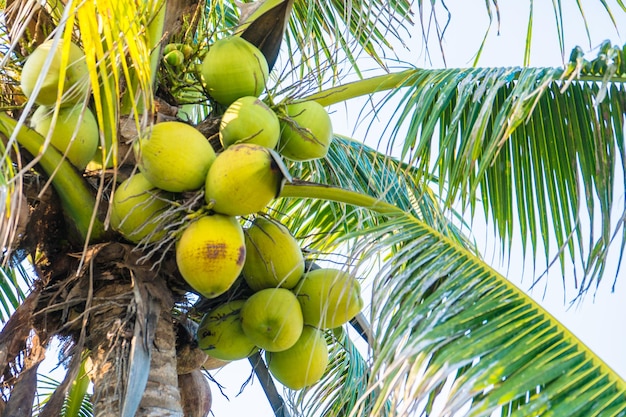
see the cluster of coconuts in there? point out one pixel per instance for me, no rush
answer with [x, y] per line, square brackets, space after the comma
[290, 307]
[288, 311]
[75, 130]
[234, 73]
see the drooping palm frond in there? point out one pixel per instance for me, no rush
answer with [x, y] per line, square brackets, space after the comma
[515, 141]
[451, 334]
[462, 314]
[319, 29]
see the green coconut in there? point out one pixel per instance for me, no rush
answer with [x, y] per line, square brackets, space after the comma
[242, 180]
[273, 256]
[249, 120]
[328, 297]
[303, 364]
[138, 210]
[75, 132]
[175, 156]
[306, 131]
[272, 319]
[220, 333]
[76, 82]
[233, 68]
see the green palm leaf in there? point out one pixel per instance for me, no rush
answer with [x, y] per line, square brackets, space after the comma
[514, 141]
[468, 327]
[464, 313]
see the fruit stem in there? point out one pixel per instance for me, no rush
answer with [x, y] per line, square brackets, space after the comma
[305, 189]
[76, 197]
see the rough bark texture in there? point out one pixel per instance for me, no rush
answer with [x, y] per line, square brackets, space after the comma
[161, 397]
[131, 317]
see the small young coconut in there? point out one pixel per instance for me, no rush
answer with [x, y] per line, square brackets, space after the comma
[249, 120]
[306, 132]
[233, 68]
[242, 180]
[272, 319]
[175, 156]
[75, 132]
[220, 333]
[138, 208]
[273, 256]
[328, 297]
[174, 58]
[303, 364]
[76, 82]
[210, 254]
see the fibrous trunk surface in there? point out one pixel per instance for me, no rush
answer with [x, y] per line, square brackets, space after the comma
[132, 333]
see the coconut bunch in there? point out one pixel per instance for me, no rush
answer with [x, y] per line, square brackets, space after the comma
[286, 311]
[234, 73]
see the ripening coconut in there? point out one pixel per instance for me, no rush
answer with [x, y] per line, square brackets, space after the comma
[304, 363]
[328, 297]
[175, 156]
[138, 209]
[233, 68]
[273, 256]
[272, 319]
[220, 333]
[75, 132]
[76, 85]
[210, 254]
[242, 180]
[306, 132]
[249, 120]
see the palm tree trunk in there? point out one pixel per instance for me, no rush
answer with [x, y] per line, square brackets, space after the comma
[161, 397]
[131, 334]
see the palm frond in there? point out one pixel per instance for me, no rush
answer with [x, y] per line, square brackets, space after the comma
[472, 341]
[464, 314]
[514, 141]
[319, 29]
[74, 405]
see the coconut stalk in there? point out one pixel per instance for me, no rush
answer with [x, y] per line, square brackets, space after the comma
[305, 189]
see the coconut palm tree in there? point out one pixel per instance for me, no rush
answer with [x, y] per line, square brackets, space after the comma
[440, 324]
